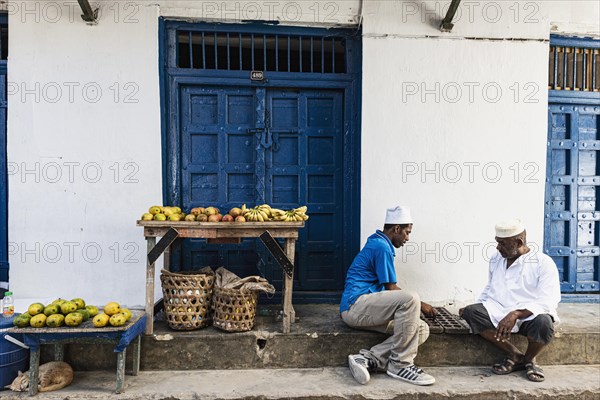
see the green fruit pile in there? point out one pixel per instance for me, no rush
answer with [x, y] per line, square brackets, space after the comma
[58, 313]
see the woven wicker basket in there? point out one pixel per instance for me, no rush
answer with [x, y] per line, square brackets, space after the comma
[234, 310]
[187, 299]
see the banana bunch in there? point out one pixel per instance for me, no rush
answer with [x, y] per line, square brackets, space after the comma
[260, 213]
[293, 215]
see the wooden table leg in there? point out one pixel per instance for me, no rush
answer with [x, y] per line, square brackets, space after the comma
[151, 242]
[137, 344]
[34, 365]
[120, 371]
[59, 352]
[289, 315]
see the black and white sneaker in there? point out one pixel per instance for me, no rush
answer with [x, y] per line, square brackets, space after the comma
[412, 374]
[360, 366]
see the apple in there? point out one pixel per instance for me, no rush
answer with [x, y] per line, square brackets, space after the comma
[227, 218]
[240, 218]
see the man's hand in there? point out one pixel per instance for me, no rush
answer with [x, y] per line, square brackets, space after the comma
[505, 326]
[428, 310]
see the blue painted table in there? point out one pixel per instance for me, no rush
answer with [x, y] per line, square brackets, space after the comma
[121, 336]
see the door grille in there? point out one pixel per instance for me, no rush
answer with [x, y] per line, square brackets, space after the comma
[574, 68]
[209, 50]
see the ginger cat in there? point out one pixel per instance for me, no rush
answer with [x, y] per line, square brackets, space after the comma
[54, 375]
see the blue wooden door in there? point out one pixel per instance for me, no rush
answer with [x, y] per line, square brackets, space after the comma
[572, 219]
[259, 145]
[304, 167]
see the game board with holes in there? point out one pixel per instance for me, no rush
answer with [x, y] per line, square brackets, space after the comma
[446, 322]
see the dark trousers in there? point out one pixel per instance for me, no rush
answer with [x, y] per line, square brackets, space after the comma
[540, 329]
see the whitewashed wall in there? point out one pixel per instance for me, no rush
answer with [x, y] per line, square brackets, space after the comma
[84, 153]
[84, 100]
[460, 119]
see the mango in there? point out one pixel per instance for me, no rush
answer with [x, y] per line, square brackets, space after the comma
[127, 313]
[51, 309]
[58, 301]
[84, 313]
[55, 320]
[35, 309]
[93, 310]
[80, 303]
[68, 307]
[147, 217]
[38, 321]
[112, 308]
[73, 319]
[155, 210]
[117, 319]
[22, 321]
[100, 320]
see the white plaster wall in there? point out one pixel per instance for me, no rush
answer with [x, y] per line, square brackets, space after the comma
[53, 220]
[299, 12]
[574, 17]
[465, 122]
[444, 134]
[521, 19]
[93, 153]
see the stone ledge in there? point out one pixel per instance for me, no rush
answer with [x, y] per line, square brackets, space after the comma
[321, 339]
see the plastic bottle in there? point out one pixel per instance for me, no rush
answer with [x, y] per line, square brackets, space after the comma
[8, 307]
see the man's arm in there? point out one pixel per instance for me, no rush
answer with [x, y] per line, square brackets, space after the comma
[507, 323]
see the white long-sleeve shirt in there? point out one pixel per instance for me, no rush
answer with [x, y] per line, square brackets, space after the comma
[530, 283]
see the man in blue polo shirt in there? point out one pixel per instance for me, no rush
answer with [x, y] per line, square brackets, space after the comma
[372, 300]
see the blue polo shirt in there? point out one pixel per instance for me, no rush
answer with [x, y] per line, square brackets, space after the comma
[372, 267]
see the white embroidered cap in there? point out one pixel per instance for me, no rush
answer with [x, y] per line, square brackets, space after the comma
[506, 229]
[398, 215]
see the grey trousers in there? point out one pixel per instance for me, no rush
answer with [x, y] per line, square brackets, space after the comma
[391, 311]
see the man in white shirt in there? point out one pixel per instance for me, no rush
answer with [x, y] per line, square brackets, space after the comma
[521, 297]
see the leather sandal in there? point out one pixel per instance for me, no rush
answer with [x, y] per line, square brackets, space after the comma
[534, 372]
[506, 367]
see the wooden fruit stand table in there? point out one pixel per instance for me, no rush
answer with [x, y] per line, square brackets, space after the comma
[121, 336]
[217, 232]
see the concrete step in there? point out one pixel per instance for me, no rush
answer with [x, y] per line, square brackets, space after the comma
[573, 382]
[320, 339]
